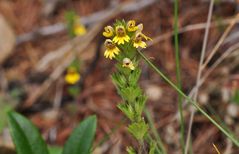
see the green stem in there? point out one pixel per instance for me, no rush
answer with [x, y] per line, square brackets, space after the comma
[154, 131]
[178, 73]
[194, 103]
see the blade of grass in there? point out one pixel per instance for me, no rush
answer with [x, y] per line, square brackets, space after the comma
[149, 139]
[154, 131]
[194, 103]
[218, 119]
[178, 74]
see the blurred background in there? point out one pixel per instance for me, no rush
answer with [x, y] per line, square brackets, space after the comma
[57, 79]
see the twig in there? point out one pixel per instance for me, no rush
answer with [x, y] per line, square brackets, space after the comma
[219, 43]
[189, 28]
[199, 72]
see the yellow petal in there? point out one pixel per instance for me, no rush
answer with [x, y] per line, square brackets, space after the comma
[109, 31]
[141, 44]
[72, 78]
[79, 30]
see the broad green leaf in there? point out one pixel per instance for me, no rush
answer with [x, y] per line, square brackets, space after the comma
[80, 141]
[55, 150]
[25, 135]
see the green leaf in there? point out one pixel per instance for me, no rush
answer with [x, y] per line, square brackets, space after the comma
[127, 110]
[55, 150]
[26, 137]
[130, 94]
[80, 141]
[134, 77]
[119, 80]
[138, 129]
[140, 105]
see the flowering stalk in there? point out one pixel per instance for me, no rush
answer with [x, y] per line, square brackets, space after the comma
[72, 77]
[123, 40]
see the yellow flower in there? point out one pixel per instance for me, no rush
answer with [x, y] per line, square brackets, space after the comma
[121, 35]
[111, 49]
[138, 40]
[128, 63]
[79, 29]
[109, 31]
[72, 76]
[140, 29]
[131, 26]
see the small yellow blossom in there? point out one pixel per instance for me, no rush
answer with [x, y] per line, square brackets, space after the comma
[140, 29]
[131, 26]
[128, 63]
[109, 31]
[72, 76]
[79, 29]
[137, 42]
[121, 35]
[111, 49]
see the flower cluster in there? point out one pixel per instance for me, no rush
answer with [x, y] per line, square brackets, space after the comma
[122, 42]
[123, 39]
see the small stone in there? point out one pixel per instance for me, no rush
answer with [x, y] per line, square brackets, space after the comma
[228, 119]
[153, 92]
[203, 98]
[225, 94]
[232, 110]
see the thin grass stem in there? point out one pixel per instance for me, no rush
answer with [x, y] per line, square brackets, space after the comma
[194, 103]
[154, 131]
[178, 75]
